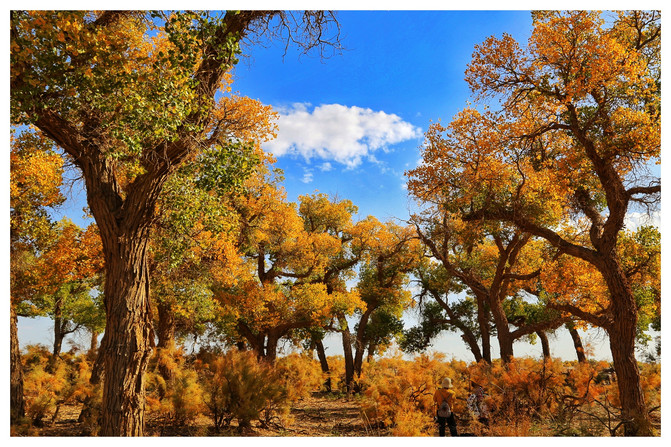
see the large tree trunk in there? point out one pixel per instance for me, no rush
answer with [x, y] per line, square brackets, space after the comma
[16, 400]
[622, 336]
[256, 341]
[506, 347]
[577, 343]
[129, 336]
[502, 330]
[634, 411]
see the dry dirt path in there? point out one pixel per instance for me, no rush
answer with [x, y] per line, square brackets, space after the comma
[316, 416]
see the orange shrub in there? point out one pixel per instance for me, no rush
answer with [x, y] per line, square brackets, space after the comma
[399, 394]
[238, 386]
[337, 372]
[651, 382]
[179, 399]
[49, 383]
[43, 389]
[300, 375]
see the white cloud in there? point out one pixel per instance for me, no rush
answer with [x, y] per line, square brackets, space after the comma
[336, 132]
[634, 220]
[307, 177]
[326, 167]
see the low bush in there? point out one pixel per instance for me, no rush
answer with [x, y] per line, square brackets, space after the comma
[173, 389]
[238, 387]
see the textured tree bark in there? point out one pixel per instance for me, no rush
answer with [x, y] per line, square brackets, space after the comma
[17, 402]
[129, 337]
[502, 330]
[634, 411]
[622, 334]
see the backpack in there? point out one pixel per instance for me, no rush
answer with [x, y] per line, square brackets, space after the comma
[444, 410]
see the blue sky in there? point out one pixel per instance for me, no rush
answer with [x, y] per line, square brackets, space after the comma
[351, 124]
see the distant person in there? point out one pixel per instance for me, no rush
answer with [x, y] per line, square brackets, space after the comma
[477, 406]
[444, 398]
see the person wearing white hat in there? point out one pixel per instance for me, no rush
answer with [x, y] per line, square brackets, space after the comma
[444, 399]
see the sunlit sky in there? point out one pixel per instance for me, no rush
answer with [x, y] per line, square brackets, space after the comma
[351, 123]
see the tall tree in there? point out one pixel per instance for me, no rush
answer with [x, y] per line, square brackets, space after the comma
[129, 97]
[331, 216]
[393, 253]
[67, 280]
[36, 175]
[197, 224]
[279, 289]
[438, 313]
[578, 131]
[493, 261]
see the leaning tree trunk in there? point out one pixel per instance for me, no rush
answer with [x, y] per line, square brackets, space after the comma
[16, 399]
[577, 343]
[545, 344]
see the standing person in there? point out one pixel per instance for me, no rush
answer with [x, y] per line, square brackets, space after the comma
[444, 399]
[477, 406]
